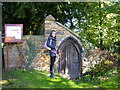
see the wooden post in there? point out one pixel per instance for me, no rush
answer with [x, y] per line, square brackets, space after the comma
[21, 62]
[7, 56]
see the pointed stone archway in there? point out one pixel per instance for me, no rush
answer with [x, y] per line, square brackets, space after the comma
[70, 61]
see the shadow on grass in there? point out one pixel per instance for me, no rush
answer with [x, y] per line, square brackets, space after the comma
[40, 79]
[107, 79]
[34, 79]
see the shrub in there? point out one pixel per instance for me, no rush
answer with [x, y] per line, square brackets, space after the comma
[101, 61]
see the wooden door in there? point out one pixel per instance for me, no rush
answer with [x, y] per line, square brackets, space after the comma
[69, 61]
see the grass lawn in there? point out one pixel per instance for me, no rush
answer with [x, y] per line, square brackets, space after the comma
[40, 79]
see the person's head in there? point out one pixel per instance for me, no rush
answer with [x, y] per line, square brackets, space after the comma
[53, 34]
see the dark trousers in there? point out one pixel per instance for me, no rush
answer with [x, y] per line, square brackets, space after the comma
[52, 60]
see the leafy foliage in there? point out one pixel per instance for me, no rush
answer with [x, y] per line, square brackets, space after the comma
[31, 14]
[100, 25]
[101, 61]
[96, 22]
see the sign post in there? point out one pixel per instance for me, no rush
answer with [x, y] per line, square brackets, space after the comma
[13, 34]
[21, 55]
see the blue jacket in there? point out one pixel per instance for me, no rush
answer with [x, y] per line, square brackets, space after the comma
[52, 45]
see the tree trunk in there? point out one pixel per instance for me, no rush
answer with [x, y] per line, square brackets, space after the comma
[101, 40]
[0, 57]
[0, 43]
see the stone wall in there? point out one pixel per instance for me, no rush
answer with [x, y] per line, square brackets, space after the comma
[31, 46]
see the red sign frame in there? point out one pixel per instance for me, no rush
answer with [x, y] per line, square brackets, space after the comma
[13, 33]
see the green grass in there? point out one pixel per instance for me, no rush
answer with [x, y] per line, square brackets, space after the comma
[40, 79]
[109, 79]
[34, 79]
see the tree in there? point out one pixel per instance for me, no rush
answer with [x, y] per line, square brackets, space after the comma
[31, 14]
[96, 22]
[100, 26]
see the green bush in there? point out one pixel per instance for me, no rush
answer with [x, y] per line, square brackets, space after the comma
[103, 60]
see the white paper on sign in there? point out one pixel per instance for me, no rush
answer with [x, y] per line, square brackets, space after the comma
[18, 33]
[13, 31]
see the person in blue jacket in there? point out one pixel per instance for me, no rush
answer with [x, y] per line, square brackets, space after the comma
[51, 42]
